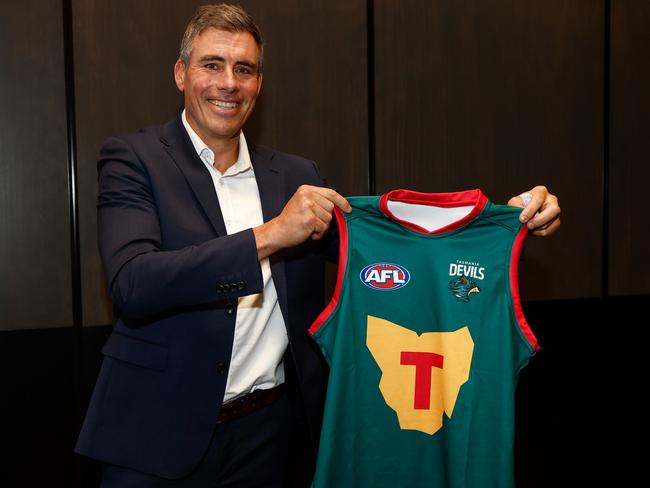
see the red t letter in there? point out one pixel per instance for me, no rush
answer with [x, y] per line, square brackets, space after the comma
[423, 362]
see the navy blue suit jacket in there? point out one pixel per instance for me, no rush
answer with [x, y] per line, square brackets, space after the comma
[174, 276]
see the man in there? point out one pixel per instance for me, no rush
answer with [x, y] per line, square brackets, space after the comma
[213, 250]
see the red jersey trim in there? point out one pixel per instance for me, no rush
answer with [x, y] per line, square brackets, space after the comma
[447, 200]
[343, 258]
[514, 289]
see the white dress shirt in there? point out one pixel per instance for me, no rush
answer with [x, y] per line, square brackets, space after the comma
[260, 333]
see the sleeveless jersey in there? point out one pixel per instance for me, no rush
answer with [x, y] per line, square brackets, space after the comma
[425, 337]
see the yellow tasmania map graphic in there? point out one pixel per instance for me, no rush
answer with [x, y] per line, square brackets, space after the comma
[421, 375]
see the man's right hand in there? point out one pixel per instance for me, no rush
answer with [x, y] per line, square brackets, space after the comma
[307, 215]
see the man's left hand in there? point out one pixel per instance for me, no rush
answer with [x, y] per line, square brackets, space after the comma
[541, 210]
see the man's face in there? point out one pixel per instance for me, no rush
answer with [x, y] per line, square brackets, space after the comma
[220, 82]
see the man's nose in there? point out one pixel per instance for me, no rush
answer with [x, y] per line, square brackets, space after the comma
[226, 80]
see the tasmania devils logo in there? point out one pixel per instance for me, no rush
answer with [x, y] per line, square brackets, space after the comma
[462, 288]
[384, 276]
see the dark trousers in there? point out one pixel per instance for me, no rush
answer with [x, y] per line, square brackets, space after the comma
[248, 452]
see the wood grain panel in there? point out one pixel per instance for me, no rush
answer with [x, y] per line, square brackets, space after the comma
[35, 289]
[629, 267]
[501, 95]
[313, 99]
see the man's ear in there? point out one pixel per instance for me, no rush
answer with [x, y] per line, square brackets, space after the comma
[259, 85]
[179, 74]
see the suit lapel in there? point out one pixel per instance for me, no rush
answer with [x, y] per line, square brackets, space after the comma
[270, 182]
[271, 185]
[178, 145]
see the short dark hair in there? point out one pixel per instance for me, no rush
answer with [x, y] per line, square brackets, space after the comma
[231, 18]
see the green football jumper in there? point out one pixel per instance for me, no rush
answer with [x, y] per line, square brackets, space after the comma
[425, 337]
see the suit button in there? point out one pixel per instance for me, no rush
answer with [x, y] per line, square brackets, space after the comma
[241, 285]
[221, 368]
[230, 309]
[219, 288]
[233, 286]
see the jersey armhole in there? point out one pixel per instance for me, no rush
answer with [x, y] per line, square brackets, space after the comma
[522, 323]
[342, 265]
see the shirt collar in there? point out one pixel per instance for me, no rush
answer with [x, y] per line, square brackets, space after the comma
[206, 154]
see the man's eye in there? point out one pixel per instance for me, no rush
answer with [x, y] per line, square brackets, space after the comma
[212, 66]
[243, 70]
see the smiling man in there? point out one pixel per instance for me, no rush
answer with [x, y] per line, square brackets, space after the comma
[199, 386]
[213, 249]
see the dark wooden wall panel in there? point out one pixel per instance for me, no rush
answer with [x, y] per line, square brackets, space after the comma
[314, 97]
[501, 95]
[629, 266]
[313, 102]
[35, 289]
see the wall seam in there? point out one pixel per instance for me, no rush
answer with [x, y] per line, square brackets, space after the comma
[606, 147]
[73, 206]
[370, 61]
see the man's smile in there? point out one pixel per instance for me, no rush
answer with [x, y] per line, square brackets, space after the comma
[224, 104]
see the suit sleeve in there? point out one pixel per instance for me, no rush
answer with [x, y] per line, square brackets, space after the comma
[144, 279]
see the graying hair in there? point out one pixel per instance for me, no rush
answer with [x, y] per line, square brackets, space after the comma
[231, 18]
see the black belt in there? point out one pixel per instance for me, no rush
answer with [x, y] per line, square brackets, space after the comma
[249, 403]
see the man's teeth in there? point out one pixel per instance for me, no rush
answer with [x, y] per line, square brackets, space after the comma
[221, 104]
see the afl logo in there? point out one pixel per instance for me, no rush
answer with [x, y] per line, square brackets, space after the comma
[384, 276]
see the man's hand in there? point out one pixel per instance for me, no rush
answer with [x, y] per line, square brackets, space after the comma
[541, 210]
[307, 215]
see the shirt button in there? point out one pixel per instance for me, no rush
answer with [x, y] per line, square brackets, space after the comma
[221, 368]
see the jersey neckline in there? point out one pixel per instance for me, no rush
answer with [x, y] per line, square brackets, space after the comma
[474, 197]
